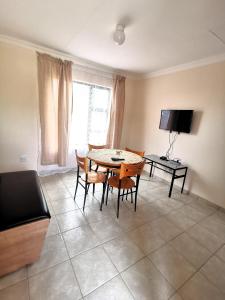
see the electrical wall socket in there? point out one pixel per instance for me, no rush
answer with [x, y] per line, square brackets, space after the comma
[23, 158]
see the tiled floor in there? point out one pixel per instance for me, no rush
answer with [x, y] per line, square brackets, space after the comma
[169, 249]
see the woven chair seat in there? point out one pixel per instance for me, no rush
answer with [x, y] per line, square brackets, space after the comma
[94, 177]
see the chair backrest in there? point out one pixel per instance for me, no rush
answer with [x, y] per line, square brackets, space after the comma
[141, 153]
[127, 170]
[82, 162]
[91, 147]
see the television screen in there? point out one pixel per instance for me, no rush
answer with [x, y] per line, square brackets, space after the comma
[176, 120]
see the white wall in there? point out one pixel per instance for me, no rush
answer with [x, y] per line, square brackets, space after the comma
[201, 89]
[18, 108]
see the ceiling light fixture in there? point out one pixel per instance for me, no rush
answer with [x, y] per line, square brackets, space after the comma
[119, 34]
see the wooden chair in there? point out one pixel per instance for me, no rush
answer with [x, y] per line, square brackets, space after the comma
[90, 177]
[141, 153]
[96, 167]
[124, 182]
[96, 147]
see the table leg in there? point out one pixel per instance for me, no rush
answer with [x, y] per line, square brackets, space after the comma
[171, 185]
[184, 181]
[150, 174]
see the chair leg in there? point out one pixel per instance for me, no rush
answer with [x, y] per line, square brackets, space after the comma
[107, 194]
[93, 188]
[85, 195]
[118, 203]
[75, 192]
[131, 195]
[135, 201]
[123, 194]
[136, 192]
[103, 195]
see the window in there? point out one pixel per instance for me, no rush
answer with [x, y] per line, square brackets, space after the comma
[91, 106]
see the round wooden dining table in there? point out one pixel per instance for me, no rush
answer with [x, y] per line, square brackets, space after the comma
[103, 157]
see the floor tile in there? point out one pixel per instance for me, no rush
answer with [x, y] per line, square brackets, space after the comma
[115, 289]
[63, 205]
[205, 238]
[204, 208]
[54, 186]
[221, 253]
[200, 288]
[180, 220]
[146, 282]
[90, 200]
[80, 191]
[53, 252]
[13, 278]
[165, 228]
[79, 240]
[129, 220]
[70, 220]
[70, 181]
[173, 203]
[220, 215]
[93, 214]
[215, 226]
[196, 254]
[59, 194]
[147, 239]
[123, 252]
[106, 230]
[176, 297]
[156, 229]
[144, 197]
[182, 197]
[162, 206]
[148, 212]
[53, 227]
[18, 291]
[214, 271]
[172, 265]
[93, 268]
[55, 283]
[193, 213]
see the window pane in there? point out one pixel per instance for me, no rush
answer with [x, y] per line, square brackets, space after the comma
[91, 106]
[99, 111]
[100, 98]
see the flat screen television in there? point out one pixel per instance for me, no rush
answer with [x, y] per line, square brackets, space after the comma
[176, 120]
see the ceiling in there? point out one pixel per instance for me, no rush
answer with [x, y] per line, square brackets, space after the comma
[159, 33]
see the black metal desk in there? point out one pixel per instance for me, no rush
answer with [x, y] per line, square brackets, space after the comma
[169, 166]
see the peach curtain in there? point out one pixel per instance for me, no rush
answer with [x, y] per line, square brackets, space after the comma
[116, 112]
[55, 104]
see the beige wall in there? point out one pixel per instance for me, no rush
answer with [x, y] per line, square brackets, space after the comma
[201, 89]
[18, 108]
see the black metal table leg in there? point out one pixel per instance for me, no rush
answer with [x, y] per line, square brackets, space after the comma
[150, 174]
[171, 185]
[184, 181]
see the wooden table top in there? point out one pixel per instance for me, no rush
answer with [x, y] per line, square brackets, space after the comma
[104, 157]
